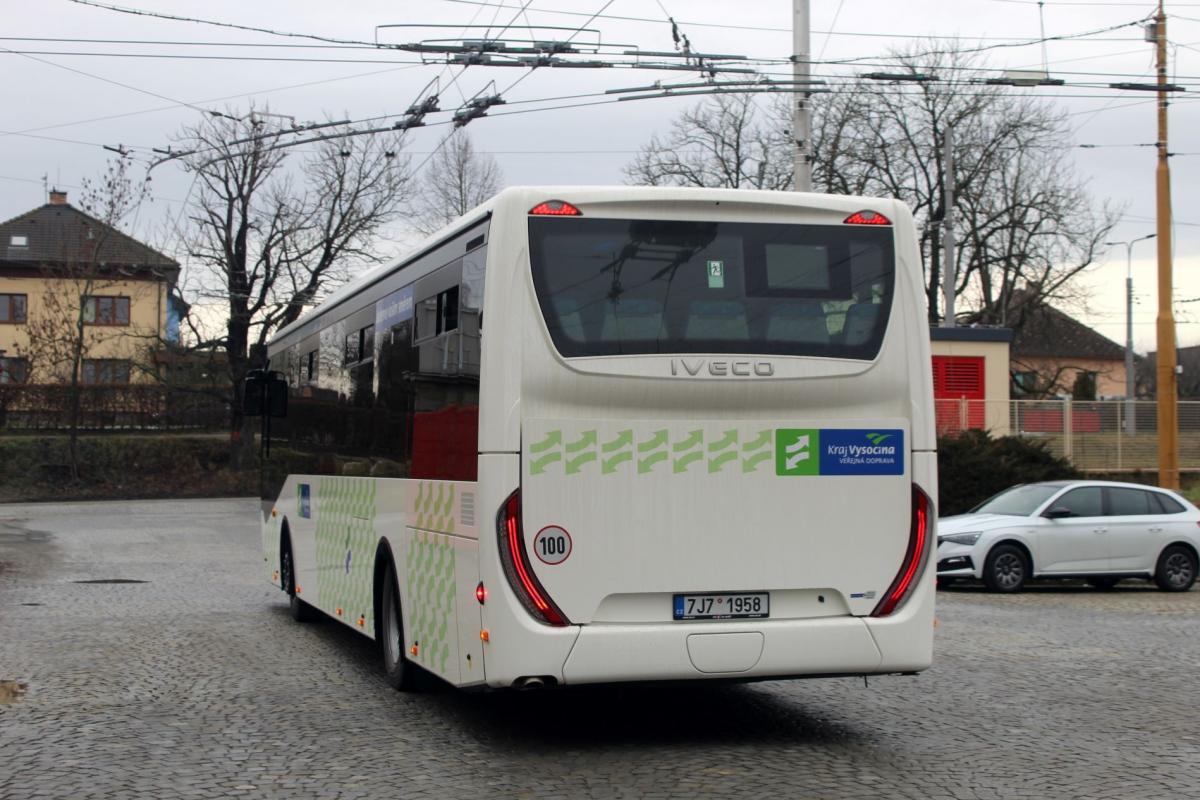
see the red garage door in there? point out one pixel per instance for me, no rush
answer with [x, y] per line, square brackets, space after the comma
[955, 379]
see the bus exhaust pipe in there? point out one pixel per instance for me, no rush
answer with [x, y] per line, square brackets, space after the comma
[530, 683]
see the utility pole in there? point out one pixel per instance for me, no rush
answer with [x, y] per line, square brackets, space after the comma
[801, 113]
[949, 274]
[1168, 421]
[1130, 415]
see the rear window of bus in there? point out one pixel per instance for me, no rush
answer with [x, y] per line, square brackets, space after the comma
[630, 287]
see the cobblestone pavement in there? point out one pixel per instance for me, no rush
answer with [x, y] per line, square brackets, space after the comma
[196, 683]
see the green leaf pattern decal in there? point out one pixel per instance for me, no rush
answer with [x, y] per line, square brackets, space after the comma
[345, 539]
[588, 453]
[433, 506]
[431, 586]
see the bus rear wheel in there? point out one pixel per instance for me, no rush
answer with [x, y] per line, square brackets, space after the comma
[400, 673]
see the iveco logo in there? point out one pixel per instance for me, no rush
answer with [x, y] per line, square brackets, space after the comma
[721, 367]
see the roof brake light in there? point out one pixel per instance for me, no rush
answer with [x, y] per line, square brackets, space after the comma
[867, 218]
[554, 208]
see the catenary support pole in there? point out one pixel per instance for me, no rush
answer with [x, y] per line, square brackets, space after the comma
[950, 273]
[801, 112]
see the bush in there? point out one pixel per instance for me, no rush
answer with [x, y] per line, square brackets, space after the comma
[120, 467]
[973, 466]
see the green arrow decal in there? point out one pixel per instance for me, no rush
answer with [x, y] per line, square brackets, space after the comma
[728, 440]
[538, 465]
[589, 437]
[763, 439]
[694, 439]
[657, 440]
[609, 465]
[751, 464]
[623, 439]
[646, 464]
[552, 438]
[715, 465]
[575, 464]
[681, 464]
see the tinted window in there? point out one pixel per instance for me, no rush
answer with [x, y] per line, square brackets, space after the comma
[1162, 504]
[1019, 501]
[1085, 502]
[611, 287]
[1127, 502]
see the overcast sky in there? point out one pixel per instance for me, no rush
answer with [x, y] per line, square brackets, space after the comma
[62, 100]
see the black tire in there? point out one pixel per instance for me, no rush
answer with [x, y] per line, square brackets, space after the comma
[1103, 584]
[1006, 569]
[1176, 571]
[400, 673]
[301, 611]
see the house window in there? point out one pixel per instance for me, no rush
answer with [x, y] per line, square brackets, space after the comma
[98, 310]
[14, 370]
[18, 241]
[105, 371]
[1085, 385]
[12, 308]
[1025, 383]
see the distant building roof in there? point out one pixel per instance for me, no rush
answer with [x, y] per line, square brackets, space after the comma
[970, 333]
[60, 234]
[1046, 332]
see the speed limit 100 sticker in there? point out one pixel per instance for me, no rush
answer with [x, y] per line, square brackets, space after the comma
[552, 545]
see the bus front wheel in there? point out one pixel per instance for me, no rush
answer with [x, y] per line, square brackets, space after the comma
[400, 673]
[301, 611]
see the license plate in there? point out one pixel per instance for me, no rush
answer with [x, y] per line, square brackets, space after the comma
[739, 605]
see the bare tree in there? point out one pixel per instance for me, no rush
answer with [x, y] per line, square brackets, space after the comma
[457, 179]
[1023, 219]
[268, 242]
[721, 142]
[67, 328]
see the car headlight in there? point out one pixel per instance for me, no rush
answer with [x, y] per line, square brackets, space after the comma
[961, 538]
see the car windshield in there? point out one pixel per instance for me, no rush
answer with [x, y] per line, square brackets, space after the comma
[1019, 501]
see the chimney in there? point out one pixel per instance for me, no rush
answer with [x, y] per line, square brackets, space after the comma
[58, 198]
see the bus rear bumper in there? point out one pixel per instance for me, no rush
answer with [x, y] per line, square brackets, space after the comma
[681, 651]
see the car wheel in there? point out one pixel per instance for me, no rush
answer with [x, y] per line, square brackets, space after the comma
[400, 673]
[1176, 570]
[301, 611]
[1103, 584]
[1005, 569]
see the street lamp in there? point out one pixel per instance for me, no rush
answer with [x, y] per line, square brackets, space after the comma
[1130, 421]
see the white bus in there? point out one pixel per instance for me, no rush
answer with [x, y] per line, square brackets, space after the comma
[592, 434]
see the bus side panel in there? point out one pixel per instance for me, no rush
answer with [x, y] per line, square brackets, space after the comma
[438, 569]
[906, 637]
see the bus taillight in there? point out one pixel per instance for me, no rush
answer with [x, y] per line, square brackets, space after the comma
[555, 208]
[867, 218]
[914, 557]
[515, 561]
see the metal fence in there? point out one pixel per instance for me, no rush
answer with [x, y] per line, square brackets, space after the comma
[1103, 435]
[133, 407]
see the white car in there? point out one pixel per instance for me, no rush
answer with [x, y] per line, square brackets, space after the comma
[1098, 530]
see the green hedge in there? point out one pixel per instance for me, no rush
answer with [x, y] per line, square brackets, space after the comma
[973, 466]
[120, 467]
